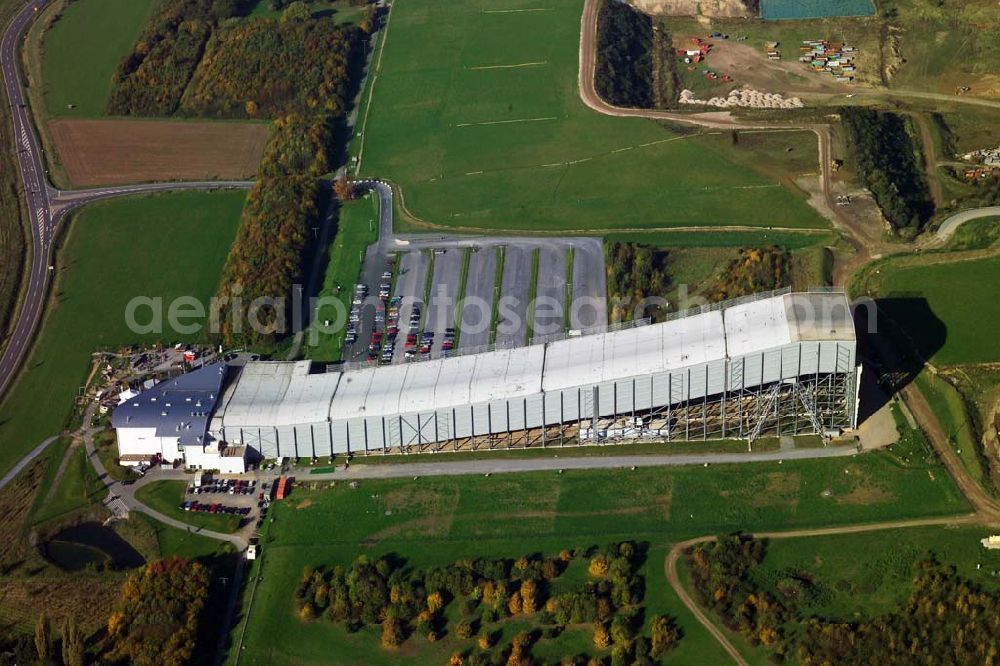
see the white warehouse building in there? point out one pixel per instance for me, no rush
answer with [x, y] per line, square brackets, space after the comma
[772, 364]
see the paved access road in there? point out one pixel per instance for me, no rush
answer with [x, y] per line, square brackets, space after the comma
[951, 225]
[517, 465]
[46, 205]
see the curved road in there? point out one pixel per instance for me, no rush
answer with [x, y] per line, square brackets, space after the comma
[47, 206]
[951, 225]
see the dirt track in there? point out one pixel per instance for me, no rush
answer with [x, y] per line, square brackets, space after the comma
[119, 152]
[858, 237]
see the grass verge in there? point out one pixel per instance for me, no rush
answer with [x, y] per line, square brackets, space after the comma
[161, 247]
[529, 329]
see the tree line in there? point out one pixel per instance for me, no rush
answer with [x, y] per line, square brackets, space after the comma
[945, 620]
[155, 623]
[409, 605]
[204, 59]
[269, 67]
[636, 64]
[886, 159]
[267, 256]
[720, 574]
[150, 80]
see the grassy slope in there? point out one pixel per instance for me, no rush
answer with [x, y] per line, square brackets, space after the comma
[78, 488]
[950, 409]
[878, 582]
[164, 246]
[437, 520]
[427, 91]
[165, 496]
[357, 228]
[959, 296]
[82, 50]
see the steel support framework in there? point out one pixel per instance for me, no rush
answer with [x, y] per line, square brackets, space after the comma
[811, 404]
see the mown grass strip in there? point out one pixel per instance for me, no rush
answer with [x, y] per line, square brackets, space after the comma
[529, 329]
[497, 286]
[568, 299]
[460, 294]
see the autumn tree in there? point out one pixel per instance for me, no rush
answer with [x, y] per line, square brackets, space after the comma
[156, 621]
[602, 638]
[463, 630]
[665, 635]
[514, 604]
[529, 597]
[435, 602]
[598, 566]
[73, 648]
[43, 637]
[392, 632]
[343, 188]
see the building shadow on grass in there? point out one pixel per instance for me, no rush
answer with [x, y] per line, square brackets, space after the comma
[897, 335]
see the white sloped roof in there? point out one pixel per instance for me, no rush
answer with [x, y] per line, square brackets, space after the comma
[439, 384]
[756, 326]
[637, 351]
[275, 393]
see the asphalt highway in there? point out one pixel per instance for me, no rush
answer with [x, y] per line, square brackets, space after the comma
[47, 206]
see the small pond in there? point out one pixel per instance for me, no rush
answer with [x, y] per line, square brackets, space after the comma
[74, 548]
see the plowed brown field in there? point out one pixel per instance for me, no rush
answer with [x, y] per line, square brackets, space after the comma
[116, 152]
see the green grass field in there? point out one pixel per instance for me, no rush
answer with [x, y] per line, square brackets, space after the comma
[156, 540]
[850, 586]
[342, 10]
[847, 587]
[434, 521]
[165, 246]
[78, 488]
[357, 228]
[83, 48]
[476, 114]
[949, 407]
[959, 294]
[166, 496]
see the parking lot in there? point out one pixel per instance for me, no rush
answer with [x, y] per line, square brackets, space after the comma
[430, 298]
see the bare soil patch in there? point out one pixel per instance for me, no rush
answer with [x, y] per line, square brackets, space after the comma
[118, 152]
